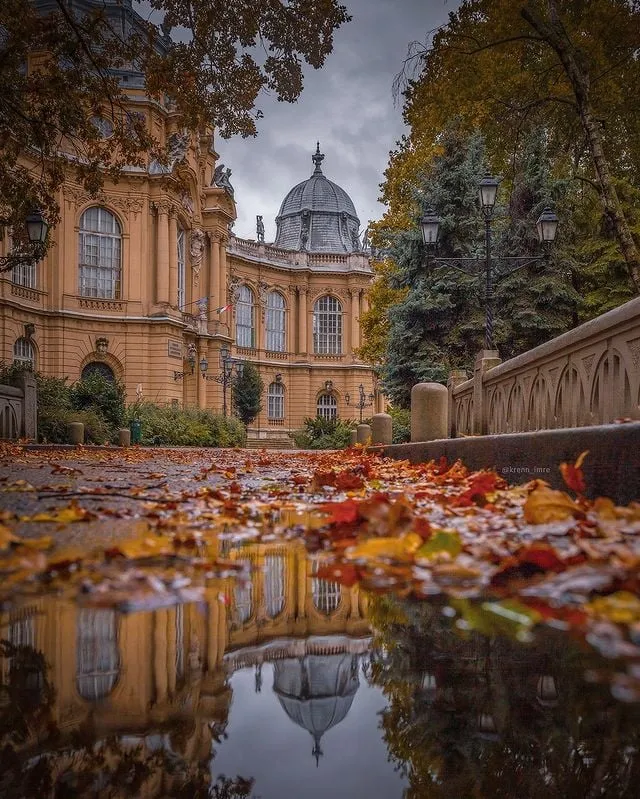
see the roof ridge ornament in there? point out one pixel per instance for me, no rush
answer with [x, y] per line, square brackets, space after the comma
[317, 159]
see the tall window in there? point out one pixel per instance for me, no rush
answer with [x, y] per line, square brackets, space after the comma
[325, 593]
[25, 275]
[245, 314]
[23, 353]
[182, 268]
[275, 322]
[327, 406]
[100, 258]
[98, 661]
[275, 401]
[327, 326]
[274, 567]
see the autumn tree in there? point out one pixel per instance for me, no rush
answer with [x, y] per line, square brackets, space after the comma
[506, 68]
[59, 71]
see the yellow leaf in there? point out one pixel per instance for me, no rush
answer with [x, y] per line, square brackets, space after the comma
[441, 543]
[623, 607]
[546, 505]
[396, 548]
[72, 513]
[7, 537]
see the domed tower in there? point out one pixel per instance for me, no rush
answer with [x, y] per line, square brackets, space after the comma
[316, 691]
[317, 215]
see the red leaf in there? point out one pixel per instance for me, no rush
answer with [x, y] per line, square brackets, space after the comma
[345, 512]
[572, 474]
[343, 573]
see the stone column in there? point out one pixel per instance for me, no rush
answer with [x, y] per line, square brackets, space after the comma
[227, 316]
[456, 377]
[302, 319]
[162, 254]
[429, 406]
[355, 318]
[485, 360]
[173, 261]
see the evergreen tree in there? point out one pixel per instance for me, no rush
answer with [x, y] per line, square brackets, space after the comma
[538, 302]
[438, 325]
[247, 393]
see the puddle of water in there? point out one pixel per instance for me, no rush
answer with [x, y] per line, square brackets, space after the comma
[301, 687]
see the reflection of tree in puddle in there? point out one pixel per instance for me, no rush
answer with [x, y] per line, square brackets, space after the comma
[487, 717]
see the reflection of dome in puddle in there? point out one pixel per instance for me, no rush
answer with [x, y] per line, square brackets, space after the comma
[316, 691]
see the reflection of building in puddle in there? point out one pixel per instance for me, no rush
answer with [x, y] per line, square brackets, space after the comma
[138, 674]
[312, 630]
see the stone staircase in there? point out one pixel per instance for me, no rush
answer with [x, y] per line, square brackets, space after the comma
[270, 443]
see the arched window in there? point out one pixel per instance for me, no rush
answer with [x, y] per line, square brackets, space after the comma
[245, 314]
[327, 326]
[97, 658]
[98, 368]
[275, 322]
[325, 593]
[100, 257]
[182, 269]
[274, 567]
[327, 406]
[24, 353]
[275, 401]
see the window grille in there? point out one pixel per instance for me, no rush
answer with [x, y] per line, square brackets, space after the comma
[326, 594]
[327, 326]
[245, 315]
[275, 401]
[100, 256]
[327, 406]
[97, 659]
[182, 268]
[25, 275]
[275, 323]
[24, 353]
[274, 596]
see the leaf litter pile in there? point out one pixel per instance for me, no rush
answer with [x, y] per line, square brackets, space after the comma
[507, 558]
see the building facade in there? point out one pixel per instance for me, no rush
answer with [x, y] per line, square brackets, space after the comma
[146, 282]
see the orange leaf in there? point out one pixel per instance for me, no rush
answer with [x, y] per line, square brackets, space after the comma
[572, 474]
[545, 505]
[342, 512]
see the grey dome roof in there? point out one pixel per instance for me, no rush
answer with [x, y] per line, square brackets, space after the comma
[317, 215]
[316, 691]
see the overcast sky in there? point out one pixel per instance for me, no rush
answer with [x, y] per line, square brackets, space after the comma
[347, 106]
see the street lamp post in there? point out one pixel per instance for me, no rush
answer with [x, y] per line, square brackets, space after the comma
[546, 225]
[230, 368]
[362, 399]
[37, 230]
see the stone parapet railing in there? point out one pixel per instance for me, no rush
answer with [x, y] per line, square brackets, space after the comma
[295, 259]
[588, 376]
[18, 409]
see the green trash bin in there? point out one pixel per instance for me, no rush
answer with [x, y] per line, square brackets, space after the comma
[136, 431]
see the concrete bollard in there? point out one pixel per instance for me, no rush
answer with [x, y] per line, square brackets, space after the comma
[124, 437]
[75, 431]
[429, 412]
[382, 428]
[363, 433]
[353, 438]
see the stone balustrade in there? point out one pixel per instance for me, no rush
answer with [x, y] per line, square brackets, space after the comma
[18, 408]
[588, 376]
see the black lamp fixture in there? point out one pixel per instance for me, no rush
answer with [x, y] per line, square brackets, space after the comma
[494, 268]
[364, 399]
[191, 360]
[37, 229]
[230, 367]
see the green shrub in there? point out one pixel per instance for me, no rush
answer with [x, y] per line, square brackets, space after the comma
[53, 422]
[322, 433]
[102, 396]
[401, 420]
[185, 427]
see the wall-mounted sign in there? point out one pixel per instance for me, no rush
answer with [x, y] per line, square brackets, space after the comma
[174, 348]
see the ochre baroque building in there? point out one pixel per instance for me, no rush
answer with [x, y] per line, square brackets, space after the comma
[134, 282]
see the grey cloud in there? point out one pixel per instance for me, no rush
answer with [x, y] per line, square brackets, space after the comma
[347, 106]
